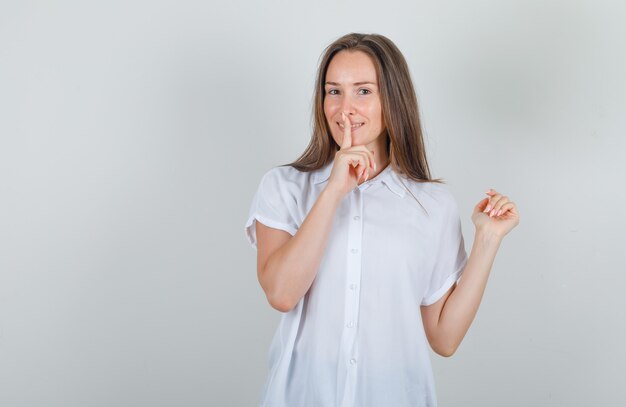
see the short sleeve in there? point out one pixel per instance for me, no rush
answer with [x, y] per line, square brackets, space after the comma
[450, 254]
[272, 206]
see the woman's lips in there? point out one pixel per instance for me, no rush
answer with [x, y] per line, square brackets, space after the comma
[353, 128]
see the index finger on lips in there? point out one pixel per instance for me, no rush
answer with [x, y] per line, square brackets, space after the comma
[347, 135]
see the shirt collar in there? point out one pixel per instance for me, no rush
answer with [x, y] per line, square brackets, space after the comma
[387, 176]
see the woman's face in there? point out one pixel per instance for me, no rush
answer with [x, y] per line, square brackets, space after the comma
[351, 87]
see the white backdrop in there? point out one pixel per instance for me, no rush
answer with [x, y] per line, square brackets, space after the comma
[133, 135]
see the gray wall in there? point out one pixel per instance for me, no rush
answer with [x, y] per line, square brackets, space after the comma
[133, 135]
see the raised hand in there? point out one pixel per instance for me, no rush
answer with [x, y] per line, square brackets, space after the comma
[495, 214]
[351, 163]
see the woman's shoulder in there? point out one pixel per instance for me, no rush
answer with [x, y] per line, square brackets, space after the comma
[435, 197]
[286, 173]
[285, 178]
[437, 192]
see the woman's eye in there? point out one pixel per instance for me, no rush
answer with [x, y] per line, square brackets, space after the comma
[330, 92]
[365, 90]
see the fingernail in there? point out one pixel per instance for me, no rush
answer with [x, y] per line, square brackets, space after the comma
[343, 116]
[367, 176]
[374, 166]
[493, 212]
[499, 212]
[488, 208]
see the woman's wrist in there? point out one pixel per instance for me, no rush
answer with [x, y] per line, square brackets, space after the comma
[332, 195]
[488, 236]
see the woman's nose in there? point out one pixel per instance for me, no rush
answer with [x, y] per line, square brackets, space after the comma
[347, 105]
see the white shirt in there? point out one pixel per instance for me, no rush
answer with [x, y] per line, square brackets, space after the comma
[356, 337]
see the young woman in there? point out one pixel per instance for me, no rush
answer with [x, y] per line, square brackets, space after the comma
[361, 250]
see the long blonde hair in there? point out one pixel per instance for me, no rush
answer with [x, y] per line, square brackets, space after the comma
[405, 145]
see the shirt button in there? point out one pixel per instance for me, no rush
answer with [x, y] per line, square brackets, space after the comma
[352, 286]
[355, 250]
[352, 361]
[350, 324]
[356, 217]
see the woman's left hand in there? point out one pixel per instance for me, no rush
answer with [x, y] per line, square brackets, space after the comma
[495, 214]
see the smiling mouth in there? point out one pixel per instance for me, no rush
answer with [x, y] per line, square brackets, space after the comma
[354, 126]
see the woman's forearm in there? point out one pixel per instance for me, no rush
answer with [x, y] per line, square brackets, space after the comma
[462, 304]
[290, 271]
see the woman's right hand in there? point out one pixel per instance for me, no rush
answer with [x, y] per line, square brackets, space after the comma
[351, 163]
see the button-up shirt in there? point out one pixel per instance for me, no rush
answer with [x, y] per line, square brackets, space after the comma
[356, 338]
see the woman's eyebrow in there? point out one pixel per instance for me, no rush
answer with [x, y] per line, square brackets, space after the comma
[355, 83]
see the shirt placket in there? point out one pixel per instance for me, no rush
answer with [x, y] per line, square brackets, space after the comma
[349, 350]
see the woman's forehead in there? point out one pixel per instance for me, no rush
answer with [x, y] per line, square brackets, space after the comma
[351, 67]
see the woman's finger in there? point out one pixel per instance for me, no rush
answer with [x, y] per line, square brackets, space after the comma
[352, 161]
[370, 156]
[509, 206]
[480, 206]
[357, 161]
[364, 153]
[492, 200]
[367, 174]
[498, 205]
[347, 132]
